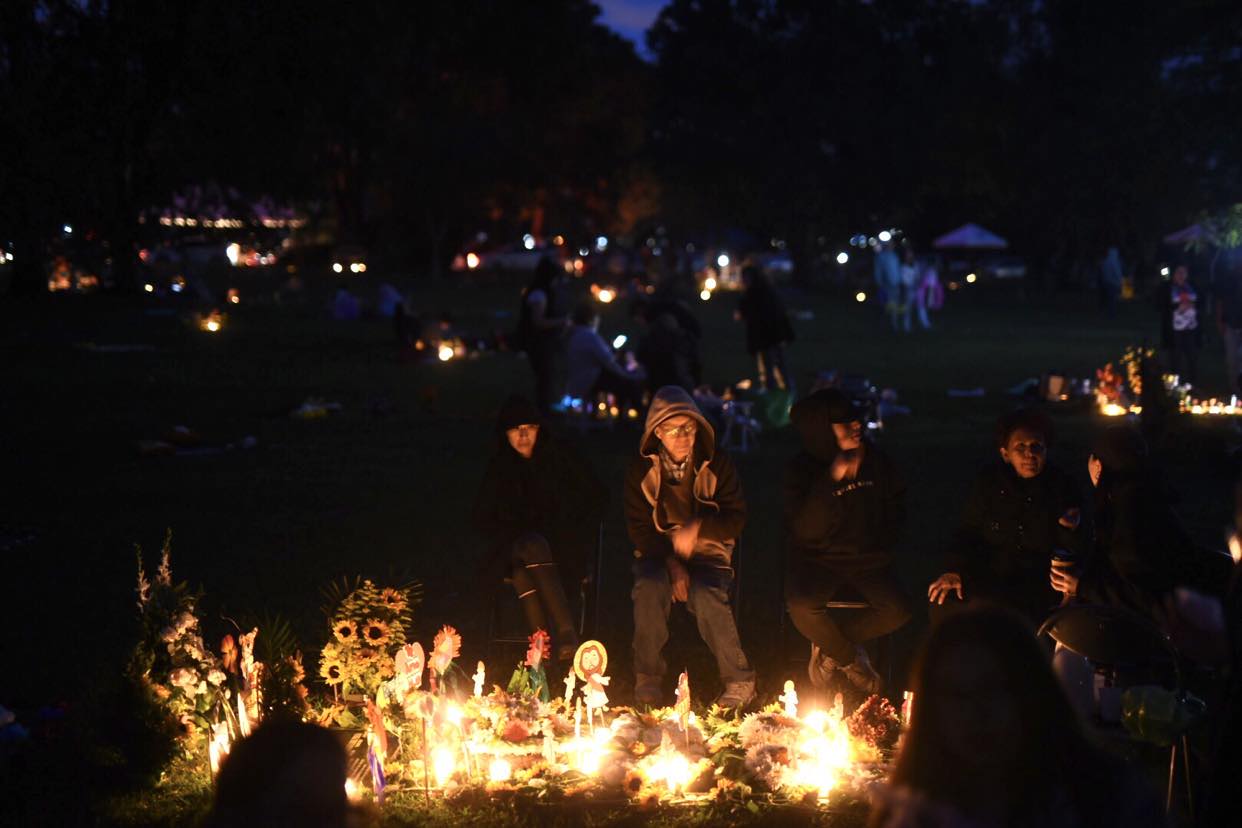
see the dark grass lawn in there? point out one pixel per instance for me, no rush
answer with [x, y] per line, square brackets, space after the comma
[383, 487]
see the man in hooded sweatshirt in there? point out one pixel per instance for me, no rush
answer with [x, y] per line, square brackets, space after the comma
[684, 510]
[844, 509]
[537, 505]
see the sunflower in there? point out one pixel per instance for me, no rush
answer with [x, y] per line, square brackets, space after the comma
[635, 781]
[392, 599]
[332, 671]
[346, 631]
[375, 633]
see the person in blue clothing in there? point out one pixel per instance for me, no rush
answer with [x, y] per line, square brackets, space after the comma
[1112, 274]
[888, 281]
[592, 365]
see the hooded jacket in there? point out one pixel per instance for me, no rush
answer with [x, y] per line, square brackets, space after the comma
[554, 494]
[849, 523]
[716, 488]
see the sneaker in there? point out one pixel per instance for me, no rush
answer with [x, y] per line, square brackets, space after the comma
[820, 668]
[736, 695]
[647, 691]
[861, 674]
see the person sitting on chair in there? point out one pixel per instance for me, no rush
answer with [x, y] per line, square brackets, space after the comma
[1020, 512]
[844, 508]
[684, 510]
[537, 505]
[1142, 550]
[592, 367]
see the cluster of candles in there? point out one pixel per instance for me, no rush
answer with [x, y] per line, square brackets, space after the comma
[1211, 407]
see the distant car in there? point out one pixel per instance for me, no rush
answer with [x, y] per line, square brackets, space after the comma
[776, 263]
[1006, 267]
[514, 256]
[349, 258]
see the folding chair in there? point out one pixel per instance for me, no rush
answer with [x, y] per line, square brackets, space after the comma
[1116, 638]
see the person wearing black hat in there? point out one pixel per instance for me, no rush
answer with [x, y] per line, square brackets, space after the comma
[1021, 514]
[537, 507]
[844, 510]
[1142, 551]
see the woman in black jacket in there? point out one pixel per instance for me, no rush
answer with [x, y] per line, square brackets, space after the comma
[537, 507]
[844, 510]
[1020, 512]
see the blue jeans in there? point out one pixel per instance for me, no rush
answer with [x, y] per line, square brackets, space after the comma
[708, 603]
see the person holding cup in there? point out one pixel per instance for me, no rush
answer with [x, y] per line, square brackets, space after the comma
[1022, 520]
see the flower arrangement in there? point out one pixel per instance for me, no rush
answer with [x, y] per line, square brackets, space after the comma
[171, 659]
[367, 628]
[1119, 390]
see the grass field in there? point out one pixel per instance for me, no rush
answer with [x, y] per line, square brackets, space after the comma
[384, 485]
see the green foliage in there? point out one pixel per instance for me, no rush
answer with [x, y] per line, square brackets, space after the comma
[1224, 229]
[282, 691]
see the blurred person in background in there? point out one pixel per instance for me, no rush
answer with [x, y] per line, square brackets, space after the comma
[993, 741]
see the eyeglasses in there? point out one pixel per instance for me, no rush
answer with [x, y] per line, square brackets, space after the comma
[686, 430]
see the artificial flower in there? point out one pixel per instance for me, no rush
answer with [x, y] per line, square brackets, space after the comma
[168, 634]
[228, 653]
[345, 631]
[332, 672]
[216, 677]
[295, 664]
[540, 648]
[445, 648]
[634, 781]
[184, 678]
[375, 632]
[193, 648]
[392, 599]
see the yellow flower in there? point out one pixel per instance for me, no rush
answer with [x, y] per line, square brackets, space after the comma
[332, 671]
[345, 631]
[375, 633]
[392, 599]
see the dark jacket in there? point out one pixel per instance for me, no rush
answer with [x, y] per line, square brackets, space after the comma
[1009, 528]
[554, 494]
[717, 489]
[670, 355]
[767, 323]
[1142, 551]
[849, 523]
